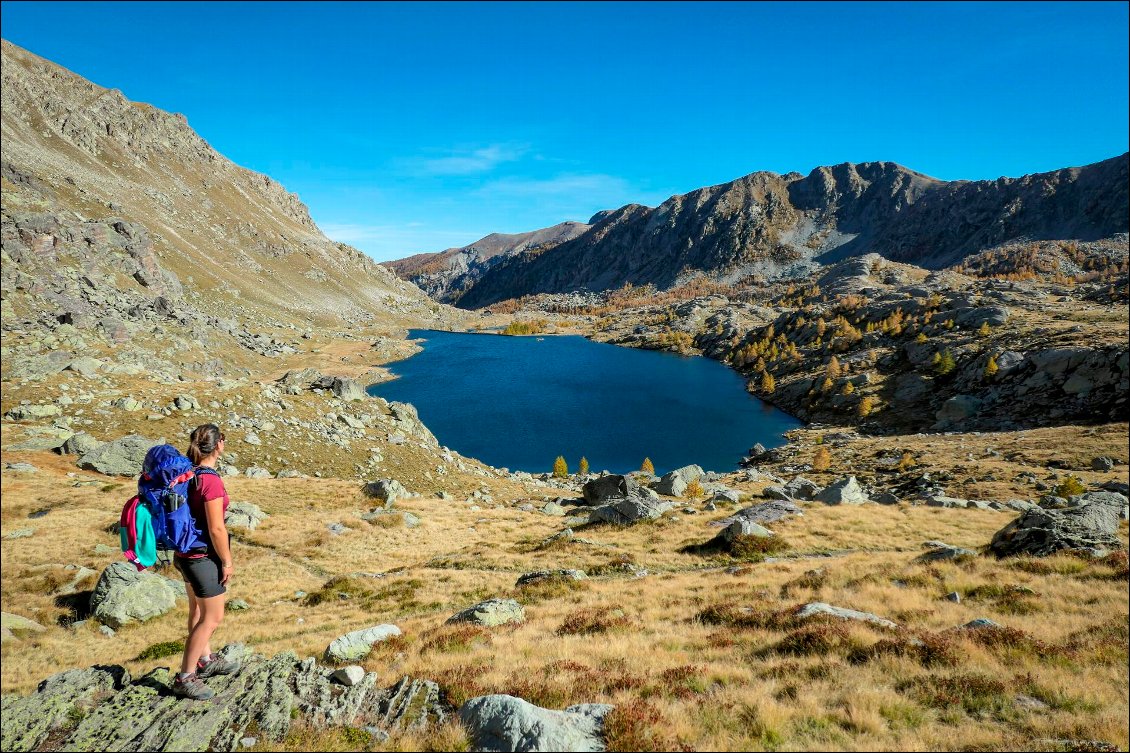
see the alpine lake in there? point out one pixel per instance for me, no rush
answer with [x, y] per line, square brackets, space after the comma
[518, 402]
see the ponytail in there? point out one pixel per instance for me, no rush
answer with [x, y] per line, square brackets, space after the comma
[203, 442]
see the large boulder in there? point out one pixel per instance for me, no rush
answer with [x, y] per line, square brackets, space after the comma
[78, 444]
[1091, 527]
[673, 484]
[802, 488]
[605, 489]
[644, 504]
[244, 515]
[124, 595]
[122, 457]
[387, 490]
[506, 723]
[344, 387]
[490, 613]
[846, 491]
[357, 644]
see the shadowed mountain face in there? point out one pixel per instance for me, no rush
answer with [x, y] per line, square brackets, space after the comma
[785, 225]
[111, 203]
[447, 275]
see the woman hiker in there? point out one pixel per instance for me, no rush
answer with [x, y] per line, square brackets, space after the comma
[207, 571]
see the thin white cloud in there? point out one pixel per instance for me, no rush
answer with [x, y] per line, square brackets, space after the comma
[472, 162]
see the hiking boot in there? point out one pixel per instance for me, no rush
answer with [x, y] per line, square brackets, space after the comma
[191, 687]
[214, 664]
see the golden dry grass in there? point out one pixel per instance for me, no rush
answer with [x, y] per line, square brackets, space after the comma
[744, 676]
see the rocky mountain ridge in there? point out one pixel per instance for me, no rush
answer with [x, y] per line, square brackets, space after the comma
[766, 225]
[446, 275]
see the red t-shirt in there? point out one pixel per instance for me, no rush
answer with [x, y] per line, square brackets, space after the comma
[203, 487]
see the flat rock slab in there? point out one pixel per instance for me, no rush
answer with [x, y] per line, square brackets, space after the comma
[820, 608]
[357, 644]
[491, 612]
[761, 513]
[506, 723]
[543, 575]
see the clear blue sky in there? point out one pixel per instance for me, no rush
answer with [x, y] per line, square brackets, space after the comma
[415, 127]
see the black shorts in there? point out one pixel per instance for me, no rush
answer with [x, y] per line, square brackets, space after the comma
[203, 574]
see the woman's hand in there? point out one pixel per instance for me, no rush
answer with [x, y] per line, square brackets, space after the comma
[227, 573]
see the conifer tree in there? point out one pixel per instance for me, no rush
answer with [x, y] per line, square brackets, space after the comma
[991, 367]
[583, 466]
[822, 460]
[866, 405]
[560, 468]
[647, 467]
[833, 369]
[768, 383]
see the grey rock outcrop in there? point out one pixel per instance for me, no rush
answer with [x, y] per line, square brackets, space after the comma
[1091, 527]
[121, 457]
[491, 612]
[506, 723]
[124, 595]
[268, 695]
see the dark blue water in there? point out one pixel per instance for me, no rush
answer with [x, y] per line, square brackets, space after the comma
[519, 402]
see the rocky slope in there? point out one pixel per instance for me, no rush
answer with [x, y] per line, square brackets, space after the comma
[773, 226]
[116, 213]
[447, 275]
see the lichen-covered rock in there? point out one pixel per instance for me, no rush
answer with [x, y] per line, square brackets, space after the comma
[265, 695]
[357, 644]
[27, 721]
[1092, 526]
[491, 612]
[124, 595]
[506, 723]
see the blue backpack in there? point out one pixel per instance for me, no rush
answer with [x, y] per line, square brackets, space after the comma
[159, 517]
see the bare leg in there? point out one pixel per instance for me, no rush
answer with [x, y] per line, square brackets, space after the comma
[211, 613]
[194, 615]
